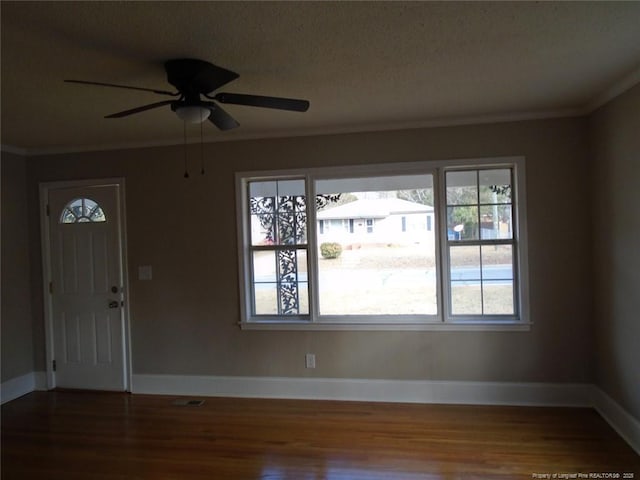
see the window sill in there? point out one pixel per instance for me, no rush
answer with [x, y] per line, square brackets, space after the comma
[423, 326]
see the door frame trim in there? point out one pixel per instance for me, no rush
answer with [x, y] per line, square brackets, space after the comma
[45, 242]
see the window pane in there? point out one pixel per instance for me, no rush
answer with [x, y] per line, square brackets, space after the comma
[263, 229]
[497, 275]
[495, 186]
[97, 215]
[378, 281]
[263, 189]
[290, 278]
[278, 212]
[67, 216]
[465, 263]
[462, 223]
[303, 296]
[266, 299]
[280, 282]
[264, 283]
[292, 224]
[466, 298]
[462, 188]
[263, 220]
[497, 296]
[303, 285]
[466, 294]
[292, 188]
[386, 264]
[495, 222]
[497, 262]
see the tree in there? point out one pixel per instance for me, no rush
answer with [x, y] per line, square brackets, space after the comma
[423, 196]
[335, 200]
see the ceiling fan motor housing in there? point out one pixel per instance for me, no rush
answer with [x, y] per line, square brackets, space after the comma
[195, 77]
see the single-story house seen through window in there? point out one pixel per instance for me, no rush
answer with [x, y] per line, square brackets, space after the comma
[376, 221]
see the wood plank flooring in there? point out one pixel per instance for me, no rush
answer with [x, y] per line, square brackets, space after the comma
[78, 435]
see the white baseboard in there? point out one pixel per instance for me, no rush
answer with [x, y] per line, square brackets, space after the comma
[627, 426]
[401, 391]
[19, 386]
[404, 391]
[407, 391]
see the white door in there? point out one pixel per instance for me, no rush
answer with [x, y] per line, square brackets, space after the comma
[86, 287]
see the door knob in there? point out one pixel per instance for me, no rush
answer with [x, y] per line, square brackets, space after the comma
[113, 304]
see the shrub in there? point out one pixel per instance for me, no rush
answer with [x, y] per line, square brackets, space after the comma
[330, 250]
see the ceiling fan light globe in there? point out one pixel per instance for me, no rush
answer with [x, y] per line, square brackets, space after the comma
[193, 113]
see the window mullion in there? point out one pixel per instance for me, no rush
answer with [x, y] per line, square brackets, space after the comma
[479, 223]
[440, 206]
[515, 249]
[312, 249]
[278, 282]
[445, 271]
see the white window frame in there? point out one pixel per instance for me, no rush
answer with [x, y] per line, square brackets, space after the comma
[444, 320]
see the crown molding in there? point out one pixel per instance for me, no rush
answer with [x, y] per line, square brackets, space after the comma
[618, 88]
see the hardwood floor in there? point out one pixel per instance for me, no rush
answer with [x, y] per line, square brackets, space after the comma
[77, 435]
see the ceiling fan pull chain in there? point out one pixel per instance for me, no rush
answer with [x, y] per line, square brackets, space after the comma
[201, 153]
[184, 130]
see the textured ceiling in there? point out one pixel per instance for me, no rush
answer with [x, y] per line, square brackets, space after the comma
[362, 65]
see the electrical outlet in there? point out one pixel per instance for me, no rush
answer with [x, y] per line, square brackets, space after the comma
[310, 360]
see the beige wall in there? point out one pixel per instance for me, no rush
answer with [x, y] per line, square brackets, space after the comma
[184, 320]
[615, 134]
[16, 317]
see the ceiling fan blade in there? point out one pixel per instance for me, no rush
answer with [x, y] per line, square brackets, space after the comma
[261, 101]
[140, 109]
[220, 118]
[159, 92]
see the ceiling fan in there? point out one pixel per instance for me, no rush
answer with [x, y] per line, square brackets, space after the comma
[194, 79]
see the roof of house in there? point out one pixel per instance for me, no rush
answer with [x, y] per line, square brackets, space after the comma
[373, 208]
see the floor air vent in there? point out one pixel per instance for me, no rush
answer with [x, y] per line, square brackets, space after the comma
[185, 402]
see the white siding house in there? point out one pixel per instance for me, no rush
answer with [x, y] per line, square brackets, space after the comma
[376, 221]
